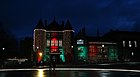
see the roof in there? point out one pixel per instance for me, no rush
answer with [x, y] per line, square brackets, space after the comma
[68, 26]
[40, 25]
[122, 35]
[54, 26]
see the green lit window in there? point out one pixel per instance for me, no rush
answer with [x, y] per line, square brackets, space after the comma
[62, 57]
[112, 53]
[82, 52]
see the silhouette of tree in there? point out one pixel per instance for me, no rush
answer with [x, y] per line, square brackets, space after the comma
[8, 42]
[26, 48]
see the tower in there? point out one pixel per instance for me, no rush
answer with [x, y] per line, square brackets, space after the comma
[67, 41]
[39, 42]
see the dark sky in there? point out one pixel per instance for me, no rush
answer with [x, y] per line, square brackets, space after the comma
[21, 16]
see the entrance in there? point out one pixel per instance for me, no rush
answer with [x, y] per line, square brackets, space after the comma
[55, 57]
[55, 54]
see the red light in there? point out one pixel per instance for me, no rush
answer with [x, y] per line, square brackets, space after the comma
[54, 39]
[54, 47]
[39, 56]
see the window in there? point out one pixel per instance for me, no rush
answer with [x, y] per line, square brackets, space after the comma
[80, 41]
[123, 43]
[54, 42]
[48, 42]
[130, 45]
[135, 42]
[60, 43]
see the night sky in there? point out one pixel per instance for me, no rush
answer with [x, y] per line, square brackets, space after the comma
[21, 16]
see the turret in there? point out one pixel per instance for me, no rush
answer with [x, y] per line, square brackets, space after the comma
[68, 41]
[39, 41]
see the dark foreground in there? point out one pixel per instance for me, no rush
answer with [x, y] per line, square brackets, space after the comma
[66, 73]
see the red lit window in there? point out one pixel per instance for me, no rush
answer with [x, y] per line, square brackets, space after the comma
[93, 50]
[54, 45]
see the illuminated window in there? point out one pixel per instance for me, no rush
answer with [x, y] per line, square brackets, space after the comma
[82, 52]
[132, 53]
[52, 43]
[130, 44]
[123, 43]
[56, 43]
[48, 42]
[80, 41]
[92, 51]
[135, 42]
[60, 43]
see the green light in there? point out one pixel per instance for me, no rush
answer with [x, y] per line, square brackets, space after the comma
[46, 57]
[82, 52]
[62, 57]
[112, 53]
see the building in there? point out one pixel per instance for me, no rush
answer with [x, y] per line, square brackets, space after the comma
[53, 42]
[128, 44]
[56, 42]
[94, 49]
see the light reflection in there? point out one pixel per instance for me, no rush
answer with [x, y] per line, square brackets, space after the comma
[104, 73]
[41, 73]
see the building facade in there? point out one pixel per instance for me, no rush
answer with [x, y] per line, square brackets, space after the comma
[128, 44]
[94, 49]
[56, 42]
[53, 42]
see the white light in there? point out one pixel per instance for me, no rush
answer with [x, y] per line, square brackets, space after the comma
[132, 53]
[135, 43]
[91, 69]
[123, 43]
[3, 49]
[37, 47]
[71, 46]
[130, 45]
[103, 45]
